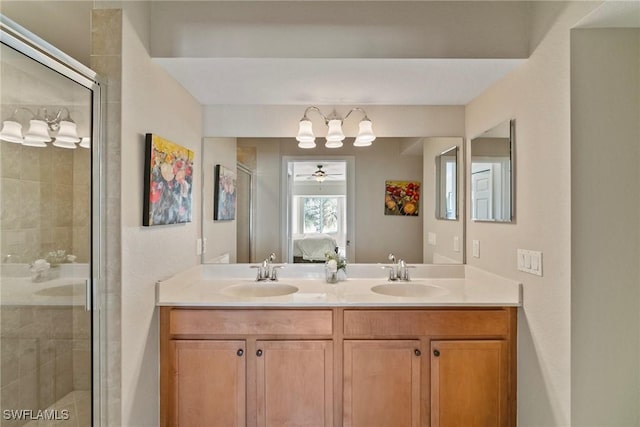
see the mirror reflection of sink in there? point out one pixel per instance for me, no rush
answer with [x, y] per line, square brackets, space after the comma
[62, 290]
[415, 290]
[259, 289]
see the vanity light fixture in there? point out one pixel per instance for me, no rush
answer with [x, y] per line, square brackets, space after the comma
[41, 126]
[335, 135]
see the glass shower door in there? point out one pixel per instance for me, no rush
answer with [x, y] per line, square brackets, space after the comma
[45, 242]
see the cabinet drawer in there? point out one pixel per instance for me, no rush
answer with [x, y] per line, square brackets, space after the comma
[250, 322]
[409, 323]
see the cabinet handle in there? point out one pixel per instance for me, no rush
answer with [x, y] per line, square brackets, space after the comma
[436, 353]
[417, 352]
[240, 352]
[259, 353]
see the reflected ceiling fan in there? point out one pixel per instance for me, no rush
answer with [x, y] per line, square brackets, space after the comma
[320, 175]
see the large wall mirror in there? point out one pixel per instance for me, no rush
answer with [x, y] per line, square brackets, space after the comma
[492, 174]
[293, 201]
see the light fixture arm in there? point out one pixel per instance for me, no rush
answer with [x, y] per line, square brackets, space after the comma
[317, 110]
[52, 121]
[334, 114]
[364, 113]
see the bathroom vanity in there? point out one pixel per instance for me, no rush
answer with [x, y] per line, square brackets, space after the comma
[339, 355]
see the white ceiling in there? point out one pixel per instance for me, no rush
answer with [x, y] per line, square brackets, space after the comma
[338, 53]
[299, 81]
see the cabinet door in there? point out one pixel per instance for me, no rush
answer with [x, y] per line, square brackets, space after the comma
[209, 383]
[469, 383]
[294, 383]
[382, 383]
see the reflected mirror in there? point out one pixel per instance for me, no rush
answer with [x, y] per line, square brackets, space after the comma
[447, 184]
[300, 203]
[492, 174]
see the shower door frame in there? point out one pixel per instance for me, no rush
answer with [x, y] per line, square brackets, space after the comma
[32, 46]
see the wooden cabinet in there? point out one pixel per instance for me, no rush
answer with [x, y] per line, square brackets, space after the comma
[342, 367]
[294, 383]
[469, 382]
[263, 368]
[208, 382]
[382, 383]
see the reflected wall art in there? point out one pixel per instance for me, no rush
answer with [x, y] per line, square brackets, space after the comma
[224, 198]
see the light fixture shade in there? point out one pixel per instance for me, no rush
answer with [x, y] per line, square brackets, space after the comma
[33, 142]
[365, 134]
[64, 144]
[68, 132]
[85, 142]
[11, 132]
[335, 134]
[38, 133]
[305, 137]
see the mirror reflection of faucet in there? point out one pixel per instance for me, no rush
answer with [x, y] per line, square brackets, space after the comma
[39, 270]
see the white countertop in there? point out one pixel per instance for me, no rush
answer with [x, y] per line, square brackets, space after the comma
[456, 285]
[65, 286]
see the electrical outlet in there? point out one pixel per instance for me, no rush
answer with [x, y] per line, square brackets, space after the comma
[456, 244]
[431, 238]
[476, 248]
[199, 247]
[204, 245]
[530, 261]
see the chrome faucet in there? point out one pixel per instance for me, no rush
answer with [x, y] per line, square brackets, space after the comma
[397, 270]
[266, 269]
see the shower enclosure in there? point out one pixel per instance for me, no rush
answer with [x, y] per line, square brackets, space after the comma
[49, 235]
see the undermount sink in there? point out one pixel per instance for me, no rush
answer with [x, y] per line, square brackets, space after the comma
[259, 289]
[415, 290]
[62, 290]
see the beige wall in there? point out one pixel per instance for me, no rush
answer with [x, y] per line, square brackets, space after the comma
[151, 102]
[605, 227]
[537, 95]
[444, 230]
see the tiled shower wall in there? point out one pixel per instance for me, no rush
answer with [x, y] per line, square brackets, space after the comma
[45, 202]
[45, 354]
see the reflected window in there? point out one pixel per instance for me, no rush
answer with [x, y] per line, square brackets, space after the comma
[320, 214]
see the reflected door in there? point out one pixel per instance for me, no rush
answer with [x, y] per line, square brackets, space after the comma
[481, 185]
[244, 194]
[45, 242]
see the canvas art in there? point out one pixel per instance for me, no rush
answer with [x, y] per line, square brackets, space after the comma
[168, 182]
[402, 198]
[224, 198]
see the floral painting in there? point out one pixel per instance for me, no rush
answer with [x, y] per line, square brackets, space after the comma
[168, 182]
[402, 198]
[224, 199]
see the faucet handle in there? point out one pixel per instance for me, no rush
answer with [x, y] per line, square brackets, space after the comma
[392, 272]
[272, 257]
[392, 258]
[274, 271]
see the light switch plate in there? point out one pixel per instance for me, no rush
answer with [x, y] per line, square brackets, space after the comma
[530, 261]
[199, 247]
[476, 248]
[456, 244]
[431, 238]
